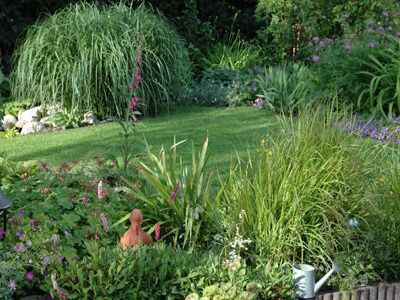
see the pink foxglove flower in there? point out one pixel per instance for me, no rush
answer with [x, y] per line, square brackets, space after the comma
[138, 72]
[103, 218]
[174, 193]
[158, 231]
[100, 190]
[131, 86]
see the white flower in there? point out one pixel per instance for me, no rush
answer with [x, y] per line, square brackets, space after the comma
[353, 222]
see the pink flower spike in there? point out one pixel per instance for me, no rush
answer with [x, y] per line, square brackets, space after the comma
[138, 72]
[100, 190]
[158, 231]
[136, 87]
[174, 193]
[131, 86]
[61, 293]
[131, 106]
[103, 218]
[138, 79]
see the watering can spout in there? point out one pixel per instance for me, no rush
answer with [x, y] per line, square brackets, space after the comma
[335, 268]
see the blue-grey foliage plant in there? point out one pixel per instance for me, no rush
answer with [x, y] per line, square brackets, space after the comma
[84, 57]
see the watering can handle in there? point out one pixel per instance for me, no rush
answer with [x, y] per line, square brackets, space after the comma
[285, 264]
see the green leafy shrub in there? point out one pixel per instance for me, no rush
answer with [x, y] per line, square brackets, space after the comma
[290, 25]
[229, 53]
[65, 118]
[207, 93]
[84, 57]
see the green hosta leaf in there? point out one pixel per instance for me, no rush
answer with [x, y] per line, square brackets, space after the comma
[246, 295]
[218, 297]
[204, 298]
[254, 287]
[193, 296]
[208, 291]
[235, 266]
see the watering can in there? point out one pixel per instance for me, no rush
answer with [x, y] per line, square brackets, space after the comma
[304, 279]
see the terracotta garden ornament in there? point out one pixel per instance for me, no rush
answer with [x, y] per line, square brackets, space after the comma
[135, 234]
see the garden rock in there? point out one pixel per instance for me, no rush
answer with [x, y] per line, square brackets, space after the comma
[32, 127]
[30, 115]
[135, 234]
[9, 121]
[89, 118]
[21, 124]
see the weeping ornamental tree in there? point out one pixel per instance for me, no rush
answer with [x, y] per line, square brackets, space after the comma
[84, 57]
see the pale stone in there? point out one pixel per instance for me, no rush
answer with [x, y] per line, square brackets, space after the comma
[32, 127]
[21, 124]
[89, 118]
[31, 115]
[9, 121]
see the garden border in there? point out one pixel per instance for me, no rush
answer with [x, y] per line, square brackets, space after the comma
[382, 291]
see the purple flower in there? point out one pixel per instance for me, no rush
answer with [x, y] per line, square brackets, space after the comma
[51, 219]
[85, 200]
[75, 257]
[342, 25]
[370, 30]
[17, 233]
[316, 39]
[12, 285]
[372, 44]
[1, 231]
[55, 239]
[336, 39]
[21, 213]
[46, 260]
[371, 23]
[345, 16]
[316, 49]
[21, 237]
[310, 44]
[30, 276]
[59, 258]
[390, 28]
[255, 86]
[385, 14]
[13, 218]
[66, 233]
[53, 248]
[315, 58]
[381, 28]
[322, 44]
[398, 34]
[347, 47]
[103, 218]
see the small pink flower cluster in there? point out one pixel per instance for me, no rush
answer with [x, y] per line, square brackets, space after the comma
[138, 79]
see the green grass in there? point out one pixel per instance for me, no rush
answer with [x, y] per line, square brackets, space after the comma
[228, 129]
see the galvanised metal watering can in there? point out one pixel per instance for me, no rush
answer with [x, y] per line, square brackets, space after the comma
[304, 279]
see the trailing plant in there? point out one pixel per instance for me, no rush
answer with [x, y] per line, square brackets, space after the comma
[97, 59]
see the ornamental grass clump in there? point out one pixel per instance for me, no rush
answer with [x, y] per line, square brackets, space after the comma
[84, 57]
[298, 190]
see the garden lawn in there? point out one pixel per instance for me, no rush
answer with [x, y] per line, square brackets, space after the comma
[228, 129]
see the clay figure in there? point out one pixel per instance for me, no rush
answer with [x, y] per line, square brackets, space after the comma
[135, 234]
